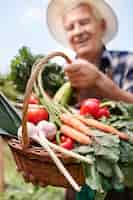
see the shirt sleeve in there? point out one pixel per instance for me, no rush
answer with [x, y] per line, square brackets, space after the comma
[128, 75]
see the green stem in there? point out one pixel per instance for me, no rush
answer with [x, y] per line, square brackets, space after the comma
[58, 137]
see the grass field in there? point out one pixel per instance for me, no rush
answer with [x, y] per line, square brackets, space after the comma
[17, 189]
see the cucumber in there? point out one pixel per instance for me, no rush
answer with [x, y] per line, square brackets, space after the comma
[63, 95]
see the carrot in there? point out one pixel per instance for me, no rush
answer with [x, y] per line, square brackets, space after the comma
[75, 135]
[103, 127]
[70, 120]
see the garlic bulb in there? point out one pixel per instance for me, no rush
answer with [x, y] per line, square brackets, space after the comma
[48, 128]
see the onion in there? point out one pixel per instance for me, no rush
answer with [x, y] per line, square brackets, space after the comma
[48, 128]
[31, 128]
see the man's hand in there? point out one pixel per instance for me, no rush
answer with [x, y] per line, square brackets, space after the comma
[90, 82]
[82, 74]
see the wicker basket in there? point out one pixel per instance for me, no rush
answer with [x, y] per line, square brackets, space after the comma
[34, 162]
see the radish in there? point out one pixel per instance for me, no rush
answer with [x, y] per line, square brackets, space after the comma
[48, 128]
[31, 128]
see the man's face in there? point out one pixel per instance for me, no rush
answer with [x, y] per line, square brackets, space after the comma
[84, 30]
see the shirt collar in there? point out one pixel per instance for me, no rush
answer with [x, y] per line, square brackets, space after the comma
[106, 61]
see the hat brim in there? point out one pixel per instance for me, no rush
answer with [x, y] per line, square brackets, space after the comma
[57, 9]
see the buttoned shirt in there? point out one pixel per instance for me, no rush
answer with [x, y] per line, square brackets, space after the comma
[121, 65]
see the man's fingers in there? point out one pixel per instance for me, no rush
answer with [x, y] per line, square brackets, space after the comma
[72, 68]
[73, 74]
[74, 84]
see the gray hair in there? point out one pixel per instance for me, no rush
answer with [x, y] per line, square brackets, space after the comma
[95, 12]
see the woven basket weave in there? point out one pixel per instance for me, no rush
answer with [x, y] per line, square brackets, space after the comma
[34, 162]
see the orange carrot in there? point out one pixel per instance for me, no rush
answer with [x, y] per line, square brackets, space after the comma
[70, 120]
[75, 135]
[103, 127]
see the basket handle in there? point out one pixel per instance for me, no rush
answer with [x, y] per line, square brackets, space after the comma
[25, 139]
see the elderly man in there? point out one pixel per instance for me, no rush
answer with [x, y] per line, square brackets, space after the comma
[86, 26]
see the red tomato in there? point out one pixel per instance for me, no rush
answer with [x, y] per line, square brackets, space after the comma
[94, 100]
[90, 99]
[67, 142]
[36, 115]
[33, 99]
[103, 112]
[90, 107]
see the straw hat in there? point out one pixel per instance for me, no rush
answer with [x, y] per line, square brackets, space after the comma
[58, 8]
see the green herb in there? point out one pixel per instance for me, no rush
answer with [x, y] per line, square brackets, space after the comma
[53, 78]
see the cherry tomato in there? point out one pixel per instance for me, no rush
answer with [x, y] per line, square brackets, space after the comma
[33, 99]
[36, 115]
[67, 142]
[90, 107]
[103, 112]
